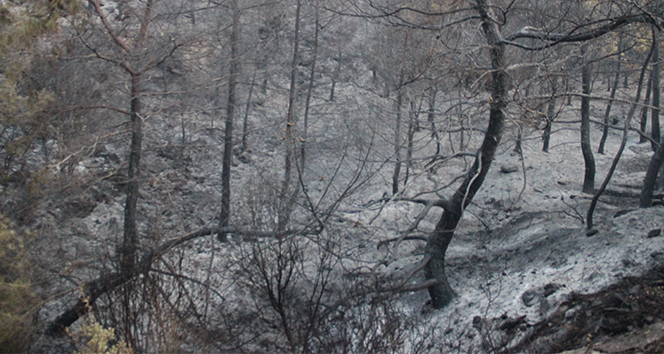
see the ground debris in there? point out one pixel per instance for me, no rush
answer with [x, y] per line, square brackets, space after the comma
[626, 317]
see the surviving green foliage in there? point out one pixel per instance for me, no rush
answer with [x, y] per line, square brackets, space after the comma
[23, 107]
[21, 22]
[16, 297]
[98, 340]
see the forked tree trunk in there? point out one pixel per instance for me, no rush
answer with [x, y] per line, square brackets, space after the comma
[441, 293]
[586, 149]
[228, 133]
[623, 142]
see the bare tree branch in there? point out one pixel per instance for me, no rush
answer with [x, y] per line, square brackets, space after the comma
[556, 38]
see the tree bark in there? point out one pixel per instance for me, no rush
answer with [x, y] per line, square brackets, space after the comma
[228, 132]
[586, 149]
[441, 293]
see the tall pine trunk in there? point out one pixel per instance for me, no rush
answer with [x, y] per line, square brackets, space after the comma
[226, 164]
[287, 197]
[654, 119]
[397, 130]
[245, 121]
[412, 127]
[130, 241]
[397, 143]
[307, 103]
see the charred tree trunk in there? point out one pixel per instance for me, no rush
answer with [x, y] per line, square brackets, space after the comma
[550, 115]
[228, 133]
[568, 90]
[130, 240]
[586, 149]
[94, 289]
[397, 143]
[623, 142]
[644, 110]
[431, 117]
[650, 181]
[397, 130]
[655, 133]
[307, 103]
[286, 195]
[334, 84]
[607, 113]
[441, 293]
[655, 165]
[412, 127]
[431, 114]
[245, 121]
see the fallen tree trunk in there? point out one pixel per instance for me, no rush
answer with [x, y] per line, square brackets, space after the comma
[93, 289]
